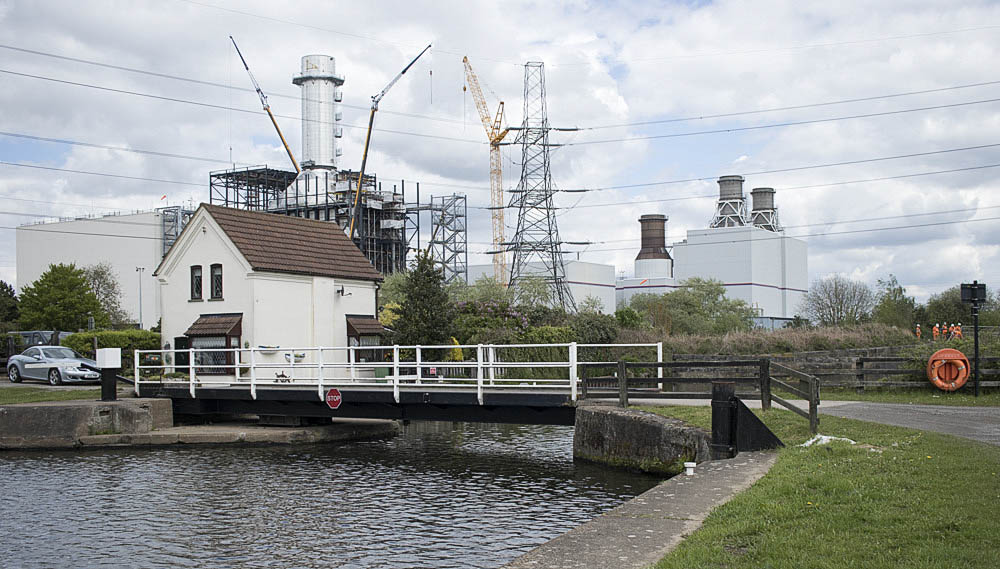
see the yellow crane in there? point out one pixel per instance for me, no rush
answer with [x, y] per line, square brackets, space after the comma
[495, 132]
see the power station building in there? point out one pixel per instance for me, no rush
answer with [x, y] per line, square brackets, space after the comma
[743, 248]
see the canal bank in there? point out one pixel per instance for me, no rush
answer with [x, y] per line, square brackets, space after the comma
[150, 422]
[641, 531]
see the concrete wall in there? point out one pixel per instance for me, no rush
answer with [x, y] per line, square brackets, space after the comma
[636, 439]
[62, 424]
[124, 241]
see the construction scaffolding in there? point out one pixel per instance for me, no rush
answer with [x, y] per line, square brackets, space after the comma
[449, 245]
[173, 219]
[325, 195]
[537, 236]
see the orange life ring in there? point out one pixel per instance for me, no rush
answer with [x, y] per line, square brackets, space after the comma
[948, 369]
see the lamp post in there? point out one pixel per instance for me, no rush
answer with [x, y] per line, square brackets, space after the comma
[140, 270]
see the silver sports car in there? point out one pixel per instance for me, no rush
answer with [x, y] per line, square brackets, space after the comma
[53, 363]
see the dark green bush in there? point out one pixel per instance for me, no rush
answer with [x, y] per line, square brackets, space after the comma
[127, 340]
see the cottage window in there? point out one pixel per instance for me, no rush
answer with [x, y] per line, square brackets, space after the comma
[196, 282]
[217, 282]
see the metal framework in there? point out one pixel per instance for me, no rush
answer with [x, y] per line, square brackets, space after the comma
[537, 236]
[172, 222]
[449, 245]
[326, 195]
[730, 213]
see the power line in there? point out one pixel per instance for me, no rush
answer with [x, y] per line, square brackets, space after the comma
[208, 83]
[116, 148]
[791, 107]
[781, 124]
[228, 108]
[105, 174]
[790, 169]
[810, 186]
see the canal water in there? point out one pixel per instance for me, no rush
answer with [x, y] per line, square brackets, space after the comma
[440, 495]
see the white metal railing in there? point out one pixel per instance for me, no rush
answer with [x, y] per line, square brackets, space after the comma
[480, 367]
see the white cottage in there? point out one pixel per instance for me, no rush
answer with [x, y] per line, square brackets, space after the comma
[236, 278]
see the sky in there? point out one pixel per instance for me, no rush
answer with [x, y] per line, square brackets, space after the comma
[875, 122]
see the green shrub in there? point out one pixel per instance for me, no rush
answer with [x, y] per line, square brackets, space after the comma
[127, 340]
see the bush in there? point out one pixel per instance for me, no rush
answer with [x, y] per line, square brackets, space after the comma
[127, 340]
[593, 328]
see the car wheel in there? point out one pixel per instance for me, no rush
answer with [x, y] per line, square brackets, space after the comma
[13, 374]
[54, 377]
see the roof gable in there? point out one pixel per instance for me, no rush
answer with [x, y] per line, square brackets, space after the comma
[283, 244]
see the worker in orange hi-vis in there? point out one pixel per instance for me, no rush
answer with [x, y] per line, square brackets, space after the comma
[958, 330]
[935, 332]
[951, 331]
[918, 331]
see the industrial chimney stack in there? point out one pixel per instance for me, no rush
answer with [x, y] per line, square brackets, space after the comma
[731, 210]
[763, 214]
[653, 260]
[321, 114]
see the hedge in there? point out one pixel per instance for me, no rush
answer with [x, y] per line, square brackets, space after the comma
[127, 340]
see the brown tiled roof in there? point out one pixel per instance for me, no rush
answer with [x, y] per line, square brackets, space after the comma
[364, 326]
[217, 325]
[283, 244]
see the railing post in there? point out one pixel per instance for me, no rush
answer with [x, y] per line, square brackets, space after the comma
[814, 406]
[859, 376]
[419, 371]
[135, 364]
[583, 382]
[395, 373]
[572, 371]
[191, 373]
[395, 360]
[479, 373]
[492, 358]
[659, 369]
[622, 384]
[350, 363]
[765, 384]
[723, 420]
[253, 374]
[319, 375]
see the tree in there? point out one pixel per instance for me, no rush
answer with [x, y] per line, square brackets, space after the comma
[894, 307]
[426, 314]
[391, 290]
[104, 283]
[700, 306]
[486, 288]
[533, 290]
[947, 306]
[837, 300]
[8, 303]
[61, 300]
[591, 304]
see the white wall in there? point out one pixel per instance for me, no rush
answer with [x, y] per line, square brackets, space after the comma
[286, 310]
[767, 270]
[203, 244]
[125, 241]
[584, 279]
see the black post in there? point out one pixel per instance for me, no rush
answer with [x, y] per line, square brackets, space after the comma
[723, 420]
[622, 384]
[109, 384]
[975, 334]
[765, 384]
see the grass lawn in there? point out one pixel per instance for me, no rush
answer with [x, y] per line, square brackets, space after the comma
[900, 498]
[9, 395]
[924, 396]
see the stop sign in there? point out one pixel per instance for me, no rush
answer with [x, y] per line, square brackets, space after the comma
[333, 398]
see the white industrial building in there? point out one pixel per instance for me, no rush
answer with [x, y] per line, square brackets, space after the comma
[584, 279]
[127, 241]
[743, 249]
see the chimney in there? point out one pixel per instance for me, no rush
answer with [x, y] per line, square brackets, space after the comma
[731, 209]
[653, 260]
[763, 213]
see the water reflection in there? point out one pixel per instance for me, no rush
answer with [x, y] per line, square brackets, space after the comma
[441, 495]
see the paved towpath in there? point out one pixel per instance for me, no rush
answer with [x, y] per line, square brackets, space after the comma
[976, 423]
[643, 530]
